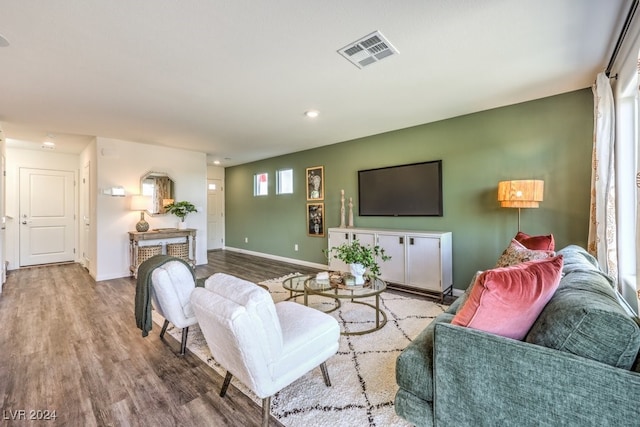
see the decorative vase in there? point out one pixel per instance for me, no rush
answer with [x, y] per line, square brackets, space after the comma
[357, 270]
[182, 225]
[142, 225]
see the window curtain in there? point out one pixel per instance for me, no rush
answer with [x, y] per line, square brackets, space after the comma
[638, 224]
[602, 222]
[637, 157]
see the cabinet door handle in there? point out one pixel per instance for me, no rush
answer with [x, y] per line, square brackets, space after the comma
[411, 240]
[401, 240]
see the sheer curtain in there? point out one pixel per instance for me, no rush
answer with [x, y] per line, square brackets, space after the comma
[602, 223]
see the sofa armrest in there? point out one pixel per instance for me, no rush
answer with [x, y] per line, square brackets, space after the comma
[485, 379]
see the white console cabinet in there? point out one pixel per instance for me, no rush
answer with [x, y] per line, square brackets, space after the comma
[420, 260]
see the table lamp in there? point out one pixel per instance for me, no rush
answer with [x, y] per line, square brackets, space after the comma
[141, 203]
[526, 193]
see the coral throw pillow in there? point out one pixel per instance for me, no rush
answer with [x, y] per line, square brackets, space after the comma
[516, 253]
[507, 301]
[539, 243]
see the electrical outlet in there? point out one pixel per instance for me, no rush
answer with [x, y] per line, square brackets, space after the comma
[246, 240]
[295, 247]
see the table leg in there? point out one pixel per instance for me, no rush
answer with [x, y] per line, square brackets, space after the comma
[192, 240]
[377, 310]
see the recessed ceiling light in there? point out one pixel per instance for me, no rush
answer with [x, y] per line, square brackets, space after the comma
[312, 113]
[216, 162]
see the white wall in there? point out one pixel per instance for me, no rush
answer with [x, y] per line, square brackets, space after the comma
[215, 172]
[20, 158]
[123, 163]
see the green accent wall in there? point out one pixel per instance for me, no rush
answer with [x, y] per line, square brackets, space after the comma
[548, 139]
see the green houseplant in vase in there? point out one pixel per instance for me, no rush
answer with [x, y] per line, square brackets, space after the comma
[359, 258]
[181, 210]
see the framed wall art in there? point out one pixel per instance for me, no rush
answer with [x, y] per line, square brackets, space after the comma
[315, 183]
[315, 219]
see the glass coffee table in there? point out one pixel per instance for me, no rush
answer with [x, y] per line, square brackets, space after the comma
[295, 286]
[373, 288]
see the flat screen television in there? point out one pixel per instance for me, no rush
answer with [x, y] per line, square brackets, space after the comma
[403, 190]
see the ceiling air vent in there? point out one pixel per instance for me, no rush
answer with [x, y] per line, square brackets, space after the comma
[368, 50]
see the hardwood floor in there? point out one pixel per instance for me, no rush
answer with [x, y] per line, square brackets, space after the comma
[70, 345]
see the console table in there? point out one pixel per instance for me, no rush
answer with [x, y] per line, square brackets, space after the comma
[135, 237]
[421, 261]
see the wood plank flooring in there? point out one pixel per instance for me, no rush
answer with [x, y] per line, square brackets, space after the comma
[70, 345]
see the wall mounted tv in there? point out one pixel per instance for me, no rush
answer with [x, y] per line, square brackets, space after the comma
[403, 190]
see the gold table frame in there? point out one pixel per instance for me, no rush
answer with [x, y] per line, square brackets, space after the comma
[313, 287]
[295, 286]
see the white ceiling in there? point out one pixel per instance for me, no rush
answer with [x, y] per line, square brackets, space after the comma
[233, 78]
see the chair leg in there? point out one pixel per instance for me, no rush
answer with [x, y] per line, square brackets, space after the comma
[266, 411]
[325, 374]
[225, 384]
[164, 328]
[183, 344]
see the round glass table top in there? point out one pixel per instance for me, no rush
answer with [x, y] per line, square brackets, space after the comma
[295, 283]
[325, 287]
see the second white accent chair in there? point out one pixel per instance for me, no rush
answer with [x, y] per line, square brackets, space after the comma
[171, 287]
[266, 346]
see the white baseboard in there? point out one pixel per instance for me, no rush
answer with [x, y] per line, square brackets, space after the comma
[456, 292]
[279, 258]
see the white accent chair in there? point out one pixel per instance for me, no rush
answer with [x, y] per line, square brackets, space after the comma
[171, 287]
[266, 346]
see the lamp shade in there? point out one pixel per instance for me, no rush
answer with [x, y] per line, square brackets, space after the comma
[140, 203]
[526, 193]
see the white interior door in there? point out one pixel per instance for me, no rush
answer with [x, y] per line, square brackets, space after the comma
[215, 214]
[46, 216]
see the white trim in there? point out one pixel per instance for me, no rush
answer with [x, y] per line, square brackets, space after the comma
[279, 258]
[456, 292]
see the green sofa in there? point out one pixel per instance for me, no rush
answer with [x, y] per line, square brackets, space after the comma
[577, 365]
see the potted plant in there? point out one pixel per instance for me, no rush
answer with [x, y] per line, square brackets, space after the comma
[359, 258]
[181, 210]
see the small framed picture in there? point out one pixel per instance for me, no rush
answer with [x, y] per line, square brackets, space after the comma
[315, 219]
[315, 183]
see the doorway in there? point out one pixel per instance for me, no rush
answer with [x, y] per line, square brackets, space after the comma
[47, 233]
[215, 214]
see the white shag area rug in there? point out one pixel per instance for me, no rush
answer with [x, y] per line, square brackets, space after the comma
[362, 373]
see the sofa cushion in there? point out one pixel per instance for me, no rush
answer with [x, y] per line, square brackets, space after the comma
[516, 253]
[542, 243]
[584, 317]
[506, 301]
[455, 306]
[414, 366]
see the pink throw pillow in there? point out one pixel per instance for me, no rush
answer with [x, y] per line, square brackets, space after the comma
[539, 243]
[517, 253]
[507, 301]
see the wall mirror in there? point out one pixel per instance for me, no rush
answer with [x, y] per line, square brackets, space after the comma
[160, 187]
